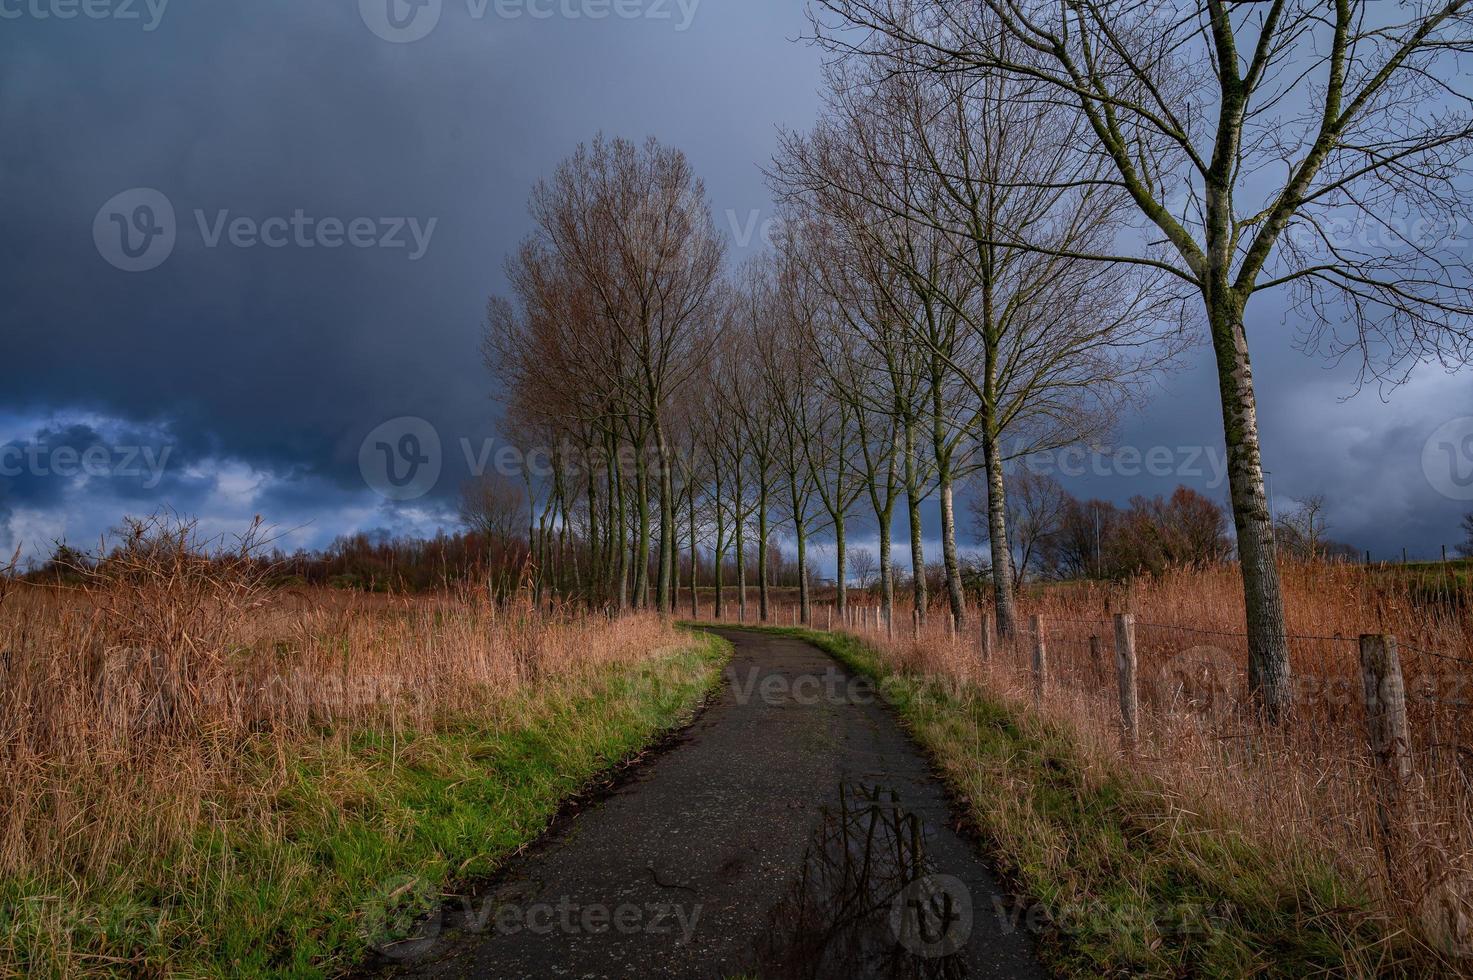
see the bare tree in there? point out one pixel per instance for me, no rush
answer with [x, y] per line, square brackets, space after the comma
[787, 397]
[1301, 531]
[491, 505]
[1037, 506]
[1466, 547]
[1038, 349]
[632, 225]
[862, 563]
[829, 435]
[1249, 137]
[753, 409]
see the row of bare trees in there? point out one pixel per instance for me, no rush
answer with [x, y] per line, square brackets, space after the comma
[1011, 217]
[1314, 145]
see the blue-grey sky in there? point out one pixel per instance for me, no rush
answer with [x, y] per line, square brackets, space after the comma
[242, 371]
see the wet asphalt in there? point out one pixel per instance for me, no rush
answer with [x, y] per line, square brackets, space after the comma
[793, 830]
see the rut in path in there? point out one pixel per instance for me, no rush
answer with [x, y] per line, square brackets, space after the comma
[795, 830]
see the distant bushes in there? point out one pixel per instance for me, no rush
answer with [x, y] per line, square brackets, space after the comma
[362, 562]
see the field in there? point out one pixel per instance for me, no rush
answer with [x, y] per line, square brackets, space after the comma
[204, 774]
[199, 775]
[1294, 818]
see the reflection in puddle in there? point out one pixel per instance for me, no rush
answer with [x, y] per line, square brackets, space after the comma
[868, 902]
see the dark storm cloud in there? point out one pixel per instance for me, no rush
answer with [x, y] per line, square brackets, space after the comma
[290, 121]
[295, 147]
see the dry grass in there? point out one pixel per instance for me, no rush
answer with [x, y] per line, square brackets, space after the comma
[174, 694]
[1298, 796]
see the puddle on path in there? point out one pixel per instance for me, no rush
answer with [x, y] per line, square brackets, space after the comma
[868, 901]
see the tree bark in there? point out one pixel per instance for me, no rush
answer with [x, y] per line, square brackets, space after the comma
[887, 567]
[841, 561]
[620, 528]
[913, 508]
[1268, 641]
[720, 554]
[803, 609]
[695, 605]
[642, 549]
[741, 548]
[594, 557]
[997, 534]
[664, 578]
[949, 555]
[762, 570]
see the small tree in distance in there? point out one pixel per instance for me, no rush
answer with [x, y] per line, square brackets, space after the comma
[864, 566]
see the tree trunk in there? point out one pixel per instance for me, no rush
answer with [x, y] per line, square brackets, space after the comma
[695, 606]
[642, 549]
[720, 554]
[762, 570]
[803, 608]
[997, 535]
[1268, 642]
[913, 508]
[594, 557]
[619, 529]
[948, 513]
[841, 565]
[949, 554]
[741, 550]
[664, 577]
[887, 567]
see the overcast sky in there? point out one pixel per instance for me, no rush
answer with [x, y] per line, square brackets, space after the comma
[317, 208]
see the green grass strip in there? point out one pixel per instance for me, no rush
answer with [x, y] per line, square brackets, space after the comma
[386, 825]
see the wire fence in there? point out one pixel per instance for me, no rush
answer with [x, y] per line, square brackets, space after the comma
[1191, 676]
[1371, 763]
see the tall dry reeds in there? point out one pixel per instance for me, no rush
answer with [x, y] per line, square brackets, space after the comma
[128, 703]
[1310, 784]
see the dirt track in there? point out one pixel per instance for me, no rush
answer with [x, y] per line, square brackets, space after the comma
[795, 830]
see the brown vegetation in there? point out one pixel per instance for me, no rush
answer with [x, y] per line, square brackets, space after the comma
[172, 693]
[1307, 788]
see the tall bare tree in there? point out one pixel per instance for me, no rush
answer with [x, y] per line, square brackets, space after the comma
[1264, 145]
[1039, 350]
[631, 223]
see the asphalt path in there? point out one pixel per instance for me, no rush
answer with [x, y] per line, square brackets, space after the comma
[794, 830]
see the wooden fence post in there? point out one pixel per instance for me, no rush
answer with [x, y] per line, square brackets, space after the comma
[1390, 737]
[1386, 705]
[1125, 673]
[1040, 661]
[985, 641]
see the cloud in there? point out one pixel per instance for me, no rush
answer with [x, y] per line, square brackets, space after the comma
[265, 367]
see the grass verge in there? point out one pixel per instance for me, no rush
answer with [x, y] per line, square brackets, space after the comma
[364, 834]
[1119, 875]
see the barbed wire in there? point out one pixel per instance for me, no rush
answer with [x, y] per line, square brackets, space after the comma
[1433, 653]
[1237, 634]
